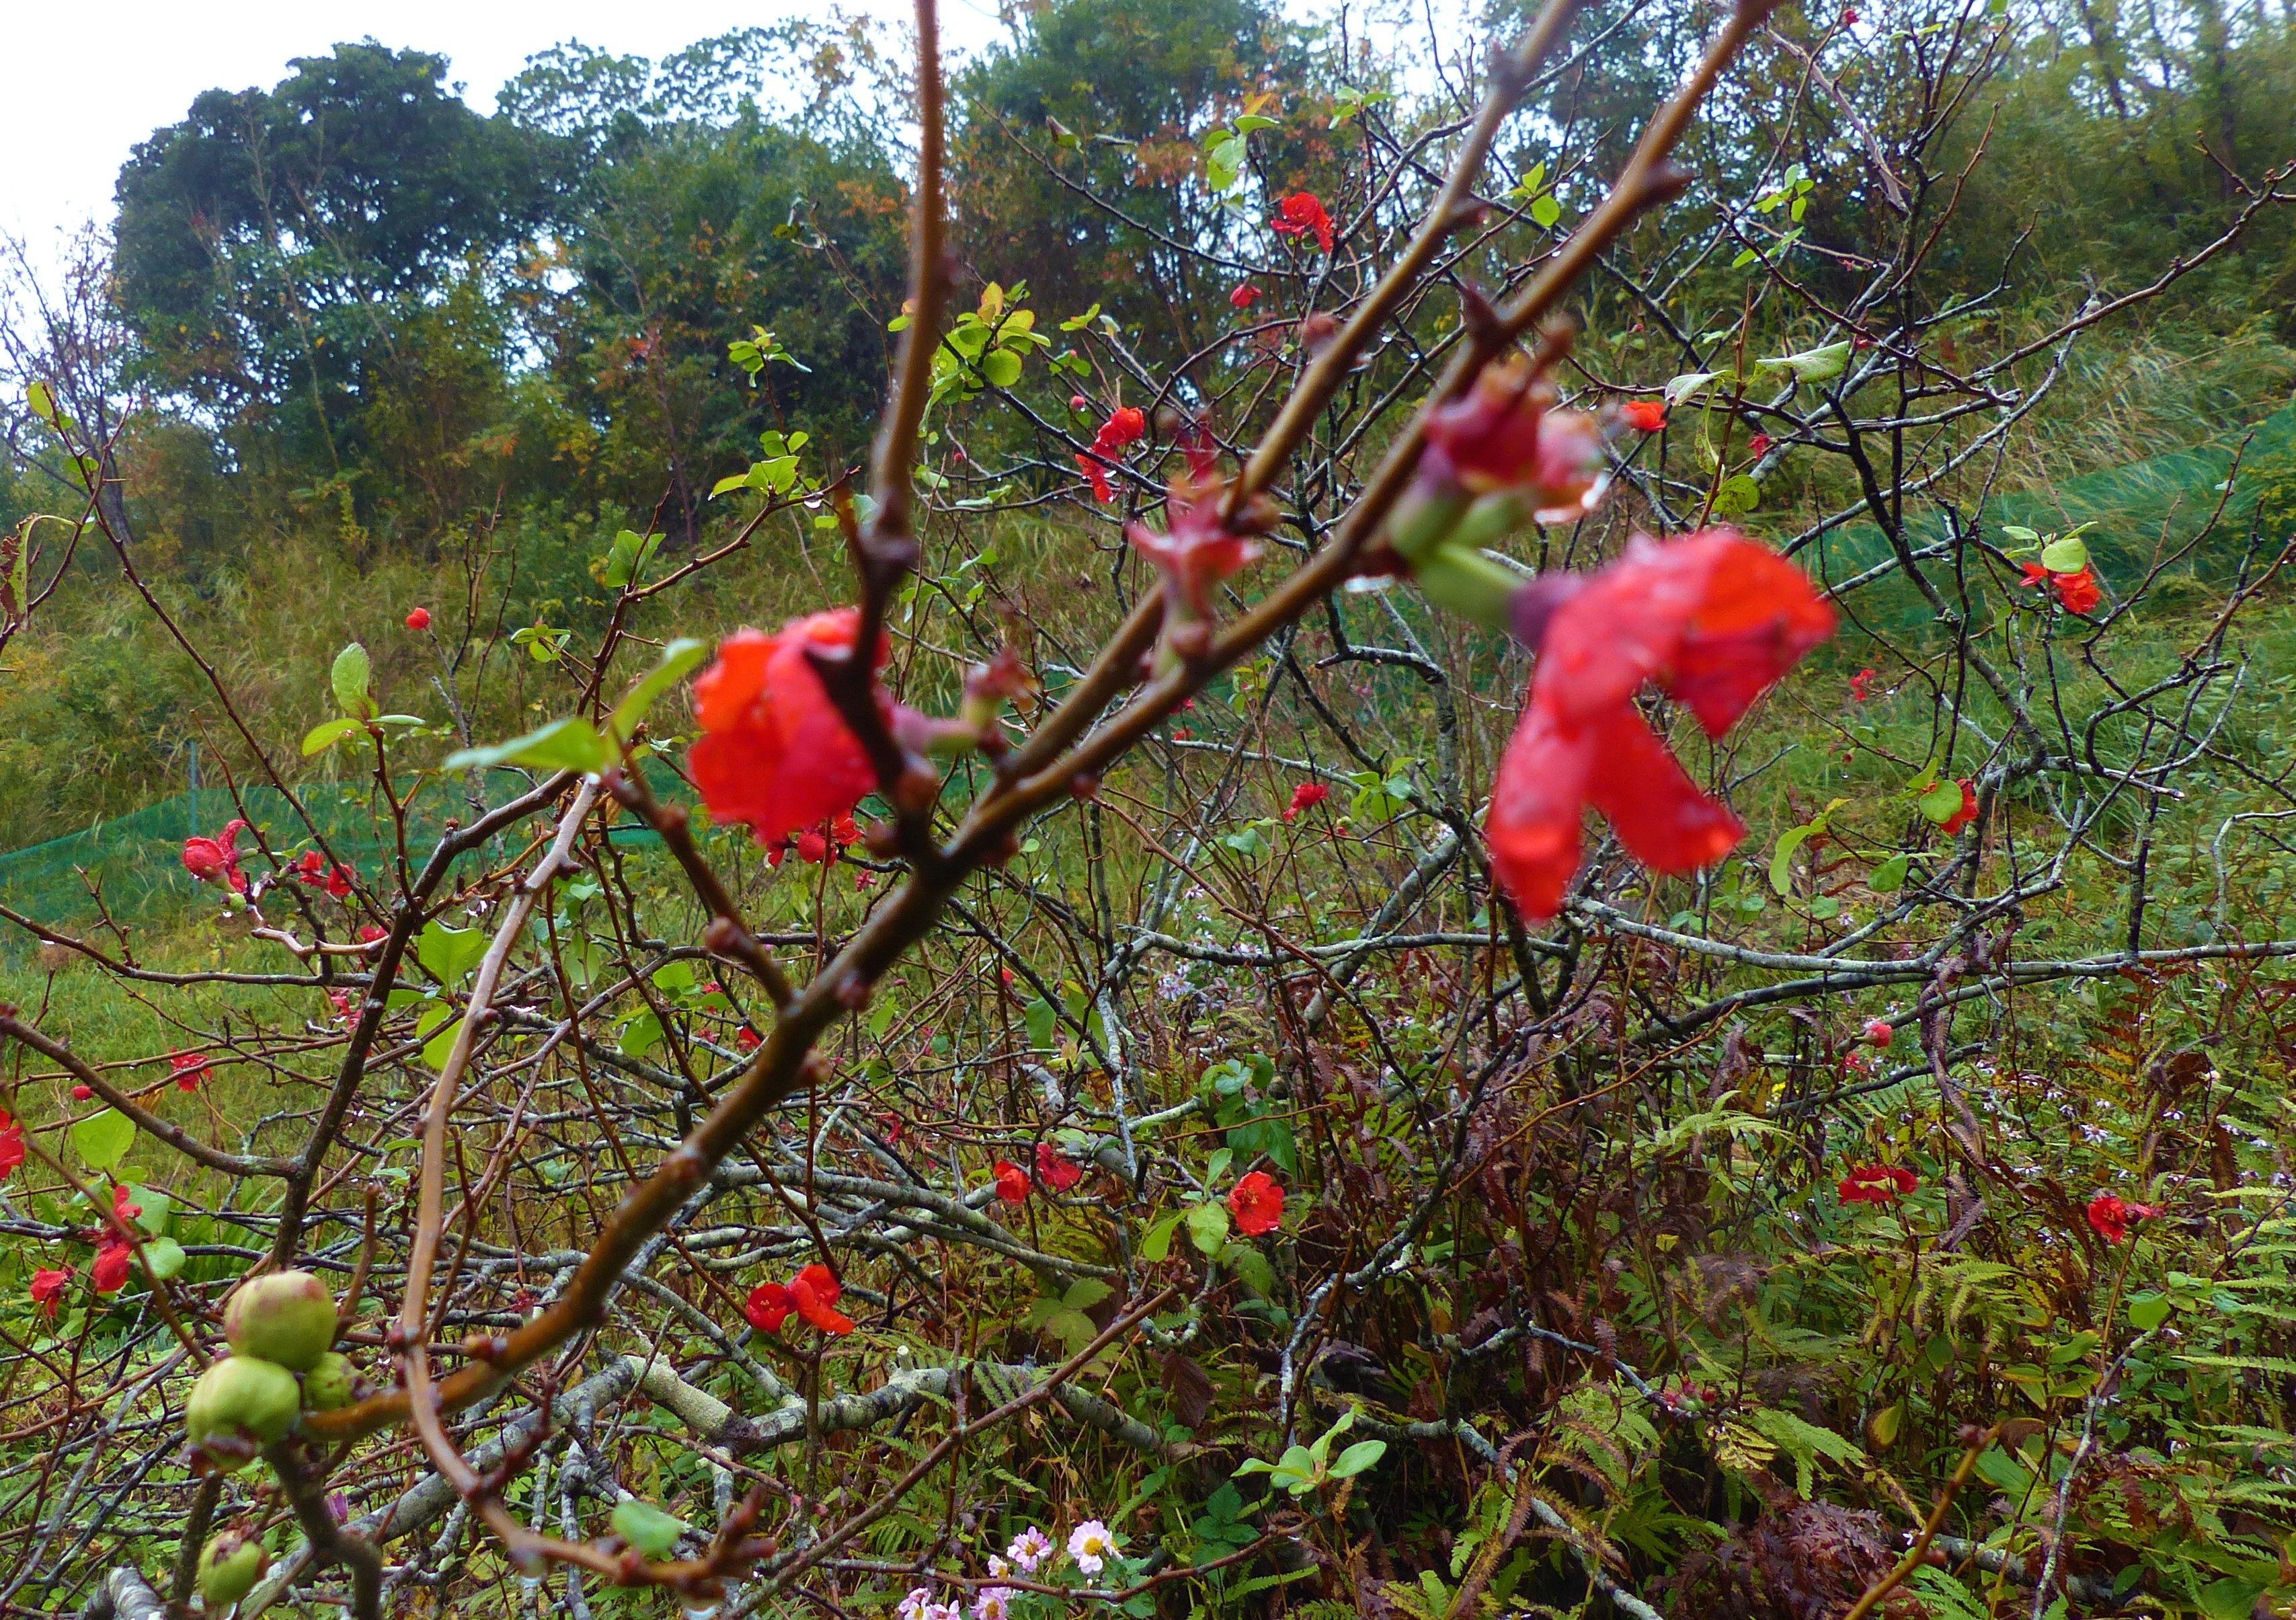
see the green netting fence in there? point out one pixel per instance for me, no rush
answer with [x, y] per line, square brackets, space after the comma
[134, 860]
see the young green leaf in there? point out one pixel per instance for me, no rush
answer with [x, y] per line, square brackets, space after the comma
[352, 673]
[678, 659]
[572, 743]
[103, 1139]
[647, 1528]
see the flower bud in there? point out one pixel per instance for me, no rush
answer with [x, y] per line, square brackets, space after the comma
[287, 1317]
[230, 1565]
[239, 1405]
[332, 1384]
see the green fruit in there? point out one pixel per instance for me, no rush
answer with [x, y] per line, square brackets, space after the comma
[333, 1382]
[287, 1317]
[239, 1405]
[230, 1565]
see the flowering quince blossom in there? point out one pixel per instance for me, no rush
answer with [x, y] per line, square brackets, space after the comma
[419, 620]
[48, 1289]
[1504, 435]
[1126, 426]
[369, 933]
[1090, 1546]
[1029, 1550]
[1967, 813]
[2110, 1215]
[1759, 445]
[1306, 796]
[1714, 620]
[313, 871]
[773, 752]
[1056, 1169]
[816, 1291]
[1861, 685]
[12, 1144]
[1876, 1184]
[1257, 1203]
[1011, 1182]
[1201, 550]
[1301, 214]
[80, 1094]
[1244, 296]
[113, 1257]
[2078, 592]
[1878, 1033]
[216, 860]
[769, 1307]
[1645, 415]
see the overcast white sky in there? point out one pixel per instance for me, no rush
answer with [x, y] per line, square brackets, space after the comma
[85, 83]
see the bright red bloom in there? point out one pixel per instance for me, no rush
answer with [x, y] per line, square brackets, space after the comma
[1966, 814]
[11, 1145]
[748, 1038]
[812, 846]
[1876, 1184]
[2078, 592]
[1077, 402]
[123, 1205]
[775, 753]
[1300, 214]
[769, 1307]
[1646, 416]
[369, 933]
[213, 860]
[1056, 1169]
[80, 1094]
[1200, 551]
[1244, 296]
[1306, 796]
[1011, 1182]
[1257, 1203]
[1861, 685]
[1759, 445]
[1126, 425]
[113, 1259]
[1879, 1034]
[816, 1290]
[2110, 1215]
[190, 1070]
[1713, 620]
[1505, 434]
[48, 1289]
[419, 620]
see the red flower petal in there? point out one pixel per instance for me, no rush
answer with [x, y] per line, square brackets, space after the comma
[1660, 815]
[769, 1307]
[1011, 1182]
[815, 1289]
[1257, 1203]
[48, 1288]
[775, 751]
[1536, 810]
[1646, 416]
[11, 1145]
[1056, 1169]
[108, 1275]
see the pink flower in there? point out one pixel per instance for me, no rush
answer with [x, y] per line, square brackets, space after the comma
[1199, 550]
[1713, 620]
[1029, 1550]
[217, 859]
[1300, 214]
[2110, 1215]
[1306, 796]
[1257, 1203]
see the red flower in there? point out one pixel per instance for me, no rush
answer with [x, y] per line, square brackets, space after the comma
[2078, 592]
[80, 1094]
[816, 1290]
[1714, 620]
[1300, 213]
[419, 620]
[748, 1038]
[191, 1069]
[775, 753]
[1879, 1034]
[1077, 402]
[123, 1207]
[1125, 426]
[1201, 550]
[1759, 445]
[2110, 1215]
[1505, 434]
[1056, 1169]
[812, 846]
[216, 859]
[1244, 296]
[1646, 416]
[1011, 1182]
[369, 933]
[48, 1290]
[1876, 1184]
[1306, 796]
[1257, 1203]
[1966, 814]
[108, 1275]
[770, 1305]
[1861, 685]
[11, 1145]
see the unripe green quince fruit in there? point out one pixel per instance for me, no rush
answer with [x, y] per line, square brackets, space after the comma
[333, 1382]
[287, 1317]
[241, 1404]
[230, 1565]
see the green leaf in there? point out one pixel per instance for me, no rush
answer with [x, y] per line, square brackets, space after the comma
[351, 674]
[1078, 323]
[1545, 211]
[1156, 1243]
[572, 743]
[1042, 1019]
[1681, 388]
[163, 1257]
[436, 1050]
[2020, 534]
[1812, 365]
[1001, 366]
[155, 1205]
[678, 659]
[647, 1528]
[1208, 1227]
[1358, 1457]
[326, 734]
[450, 952]
[1942, 802]
[1085, 1293]
[2148, 1312]
[1253, 123]
[102, 1140]
[1890, 877]
[1739, 493]
[1250, 1264]
[640, 1036]
[41, 401]
[1223, 162]
[2068, 555]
